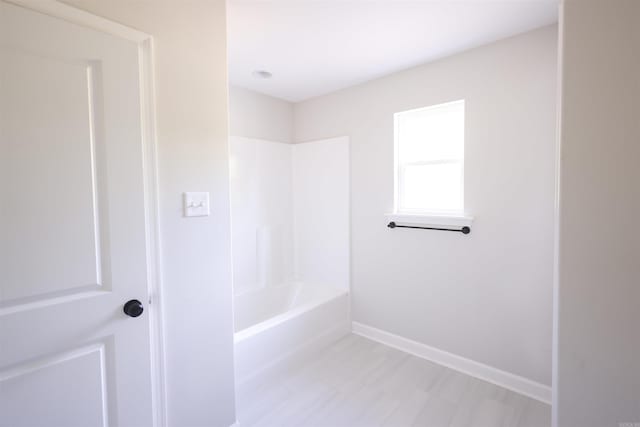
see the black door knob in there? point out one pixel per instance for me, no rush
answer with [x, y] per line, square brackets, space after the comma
[133, 308]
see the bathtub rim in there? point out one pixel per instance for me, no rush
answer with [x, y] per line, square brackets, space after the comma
[253, 330]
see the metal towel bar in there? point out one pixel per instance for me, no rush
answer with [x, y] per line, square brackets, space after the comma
[463, 230]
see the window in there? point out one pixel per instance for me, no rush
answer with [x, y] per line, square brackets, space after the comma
[429, 144]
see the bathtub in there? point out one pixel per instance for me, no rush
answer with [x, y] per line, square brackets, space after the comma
[277, 324]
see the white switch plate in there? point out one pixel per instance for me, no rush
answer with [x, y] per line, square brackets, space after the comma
[196, 204]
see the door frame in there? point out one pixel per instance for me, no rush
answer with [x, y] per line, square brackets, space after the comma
[144, 42]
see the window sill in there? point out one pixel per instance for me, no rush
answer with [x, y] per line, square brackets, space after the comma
[431, 220]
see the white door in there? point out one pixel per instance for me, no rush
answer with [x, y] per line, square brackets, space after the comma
[73, 246]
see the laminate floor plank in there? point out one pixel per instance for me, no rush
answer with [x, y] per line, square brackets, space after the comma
[356, 382]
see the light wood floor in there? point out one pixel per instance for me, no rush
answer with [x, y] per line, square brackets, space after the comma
[359, 383]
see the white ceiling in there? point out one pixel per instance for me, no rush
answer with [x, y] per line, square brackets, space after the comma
[314, 47]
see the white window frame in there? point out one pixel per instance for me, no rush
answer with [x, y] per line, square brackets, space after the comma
[434, 216]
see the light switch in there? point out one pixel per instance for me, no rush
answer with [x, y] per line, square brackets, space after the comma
[196, 204]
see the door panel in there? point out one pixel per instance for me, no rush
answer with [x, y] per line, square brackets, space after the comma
[48, 178]
[58, 383]
[73, 245]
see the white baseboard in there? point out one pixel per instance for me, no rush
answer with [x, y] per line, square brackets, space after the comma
[470, 367]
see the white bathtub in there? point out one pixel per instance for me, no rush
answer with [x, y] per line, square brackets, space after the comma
[277, 323]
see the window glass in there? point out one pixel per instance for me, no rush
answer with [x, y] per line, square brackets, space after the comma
[430, 159]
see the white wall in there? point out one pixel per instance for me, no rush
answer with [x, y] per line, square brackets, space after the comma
[191, 89]
[321, 212]
[290, 213]
[486, 296]
[254, 115]
[262, 213]
[598, 315]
